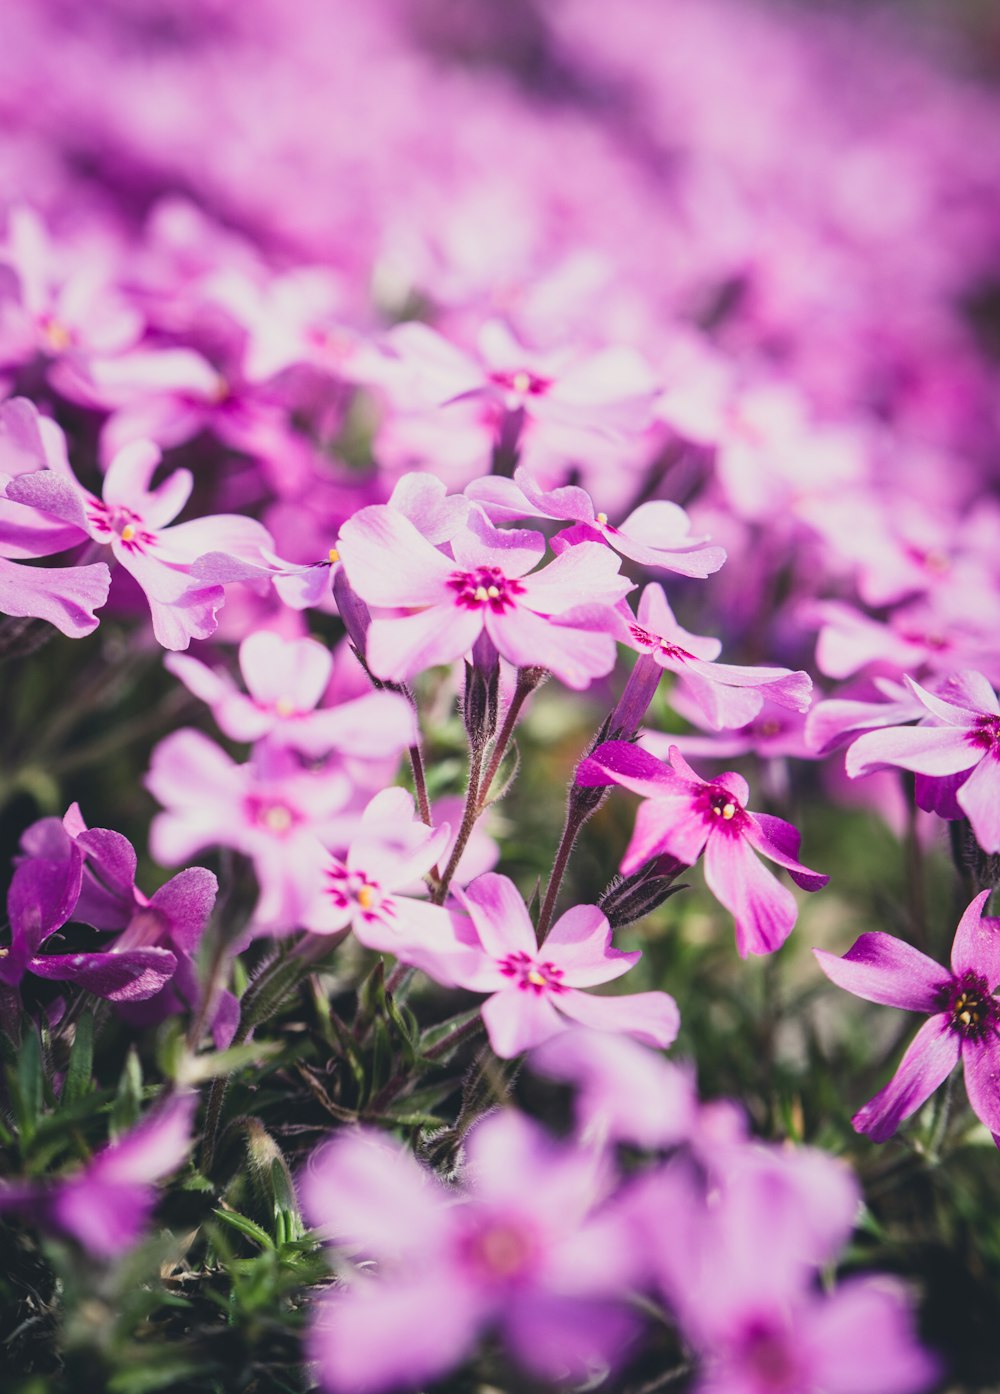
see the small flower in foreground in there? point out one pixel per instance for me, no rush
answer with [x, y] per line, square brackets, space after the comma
[522, 1246]
[106, 1207]
[535, 989]
[964, 1016]
[685, 815]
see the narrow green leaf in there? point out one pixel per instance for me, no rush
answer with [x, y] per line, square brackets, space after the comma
[78, 1081]
[246, 1227]
[128, 1100]
[195, 1069]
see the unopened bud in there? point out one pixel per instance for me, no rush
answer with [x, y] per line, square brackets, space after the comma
[629, 898]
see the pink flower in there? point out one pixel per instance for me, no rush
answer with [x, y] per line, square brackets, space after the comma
[133, 521]
[727, 694]
[960, 732]
[522, 1245]
[536, 991]
[270, 809]
[286, 681]
[548, 619]
[609, 391]
[964, 1016]
[372, 890]
[657, 533]
[685, 816]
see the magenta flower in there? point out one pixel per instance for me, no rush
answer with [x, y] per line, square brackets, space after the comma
[522, 1246]
[964, 1016]
[961, 732]
[286, 681]
[132, 520]
[536, 991]
[657, 533]
[686, 815]
[106, 1206]
[728, 695]
[46, 890]
[372, 889]
[549, 619]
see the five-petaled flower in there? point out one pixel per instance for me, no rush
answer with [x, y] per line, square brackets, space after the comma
[963, 1012]
[685, 815]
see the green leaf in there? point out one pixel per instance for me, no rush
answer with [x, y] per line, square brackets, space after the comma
[128, 1100]
[195, 1069]
[27, 1087]
[78, 1082]
[246, 1227]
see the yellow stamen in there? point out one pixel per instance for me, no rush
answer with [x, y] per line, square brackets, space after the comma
[334, 555]
[278, 819]
[728, 810]
[602, 518]
[521, 381]
[284, 706]
[535, 978]
[481, 593]
[128, 532]
[57, 336]
[366, 897]
[493, 592]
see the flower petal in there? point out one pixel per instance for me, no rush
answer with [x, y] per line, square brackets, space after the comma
[651, 1017]
[929, 1060]
[881, 968]
[764, 910]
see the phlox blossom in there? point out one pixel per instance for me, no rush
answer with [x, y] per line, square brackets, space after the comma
[433, 607]
[962, 1009]
[685, 816]
[285, 683]
[133, 521]
[535, 991]
[522, 1246]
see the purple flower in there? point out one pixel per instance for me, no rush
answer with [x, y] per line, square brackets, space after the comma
[132, 520]
[286, 681]
[686, 816]
[961, 733]
[964, 1016]
[107, 1205]
[43, 896]
[536, 991]
[522, 1246]
[657, 533]
[552, 618]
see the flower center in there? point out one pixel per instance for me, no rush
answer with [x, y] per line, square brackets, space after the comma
[485, 586]
[272, 815]
[721, 809]
[973, 1009]
[769, 1361]
[530, 975]
[123, 521]
[986, 735]
[356, 890]
[500, 1250]
[521, 381]
[655, 643]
